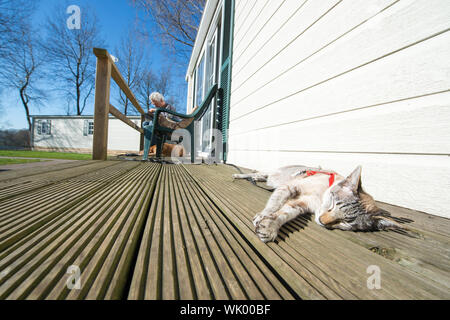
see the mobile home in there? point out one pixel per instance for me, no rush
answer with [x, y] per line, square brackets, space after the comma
[75, 134]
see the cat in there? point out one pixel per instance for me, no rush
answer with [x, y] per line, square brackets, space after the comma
[338, 202]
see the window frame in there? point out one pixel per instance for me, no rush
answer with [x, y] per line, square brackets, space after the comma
[44, 123]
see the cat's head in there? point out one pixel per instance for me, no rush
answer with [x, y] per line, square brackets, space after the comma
[346, 206]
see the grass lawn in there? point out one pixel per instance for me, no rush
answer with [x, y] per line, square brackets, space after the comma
[44, 154]
[4, 161]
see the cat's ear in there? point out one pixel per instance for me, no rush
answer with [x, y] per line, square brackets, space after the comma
[353, 181]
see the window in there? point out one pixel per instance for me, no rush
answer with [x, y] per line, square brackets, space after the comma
[200, 81]
[207, 120]
[210, 66]
[44, 127]
[204, 76]
[91, 127]
[88, 127]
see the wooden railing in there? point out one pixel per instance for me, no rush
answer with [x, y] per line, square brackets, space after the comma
[106, 69]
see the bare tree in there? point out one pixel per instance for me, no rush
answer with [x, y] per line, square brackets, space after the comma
[22, 70]
[14, 14]
[177, 22]
[130, 54]
[70, 54]
[145, 88]
[150, 82]
[163, 82]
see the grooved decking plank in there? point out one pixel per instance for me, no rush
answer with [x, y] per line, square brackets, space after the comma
[257, 280]
[148, 278]
[26, 213]
[234, 276]
[183, 272]
[428, 224]
[8, 176]
[189, 252]
[108, 270]
[27, 184]
[425, 255]
[100, 235]
[338, 258]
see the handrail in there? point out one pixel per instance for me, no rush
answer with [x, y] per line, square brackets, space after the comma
[115, 74]
[107, 69]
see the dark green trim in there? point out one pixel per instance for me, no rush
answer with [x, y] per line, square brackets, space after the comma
[225, 70]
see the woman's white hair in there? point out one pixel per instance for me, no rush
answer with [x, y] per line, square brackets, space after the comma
[156, 96]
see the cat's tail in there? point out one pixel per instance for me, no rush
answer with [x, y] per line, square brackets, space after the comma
[236, 167]
[385, 221]
[242, 175]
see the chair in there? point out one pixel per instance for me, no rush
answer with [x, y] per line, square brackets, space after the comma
[163, 128]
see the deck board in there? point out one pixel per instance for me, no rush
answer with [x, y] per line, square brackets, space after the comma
[193, 250]
[12, 175]
[151, 231]
[10, 188]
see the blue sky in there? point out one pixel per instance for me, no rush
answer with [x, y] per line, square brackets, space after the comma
[115, 17]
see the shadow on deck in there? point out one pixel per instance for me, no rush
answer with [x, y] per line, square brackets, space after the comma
[149, 231]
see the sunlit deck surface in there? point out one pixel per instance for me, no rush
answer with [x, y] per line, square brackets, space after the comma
[160, 231]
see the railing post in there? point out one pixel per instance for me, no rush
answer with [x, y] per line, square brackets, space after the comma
[141, 139]
[102, 89]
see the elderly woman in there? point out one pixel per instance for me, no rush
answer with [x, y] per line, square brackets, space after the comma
[158, 101]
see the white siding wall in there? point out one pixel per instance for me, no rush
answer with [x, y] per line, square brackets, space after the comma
[68, 133]
[65, 133]
[341, 83]
[123, 137]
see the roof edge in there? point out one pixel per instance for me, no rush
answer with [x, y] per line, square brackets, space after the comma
[207, 16]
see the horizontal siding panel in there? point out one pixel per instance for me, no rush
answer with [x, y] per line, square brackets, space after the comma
[418, 70]
[123, 137]
[419, 182]
[347, 17]
[401, 127]
[293, 19]
[361, 46]
[242, 11]
[238, 4]
[250, 19]
[66, 133]
[266, 27]
[268, 12]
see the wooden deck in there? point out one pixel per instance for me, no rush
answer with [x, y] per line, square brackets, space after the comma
[151, 231]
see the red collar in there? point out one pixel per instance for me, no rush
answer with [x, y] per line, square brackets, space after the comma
[331, 174]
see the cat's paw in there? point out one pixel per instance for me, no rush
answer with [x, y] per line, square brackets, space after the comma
[257, 218]
[267, 229]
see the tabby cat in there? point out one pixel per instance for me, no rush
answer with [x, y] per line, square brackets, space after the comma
[338, 202]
